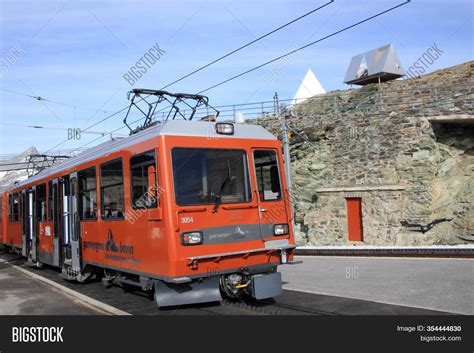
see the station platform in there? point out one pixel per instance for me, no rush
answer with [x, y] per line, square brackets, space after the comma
[25, 293]
[442, 284]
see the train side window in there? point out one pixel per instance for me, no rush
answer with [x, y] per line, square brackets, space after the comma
[16, 207]
[50, 200]
[10, 208]
[141, 193]
[111, 190]
[41, 202]
[268, 180]
[13, 208]
[24, 210]
[87, 194]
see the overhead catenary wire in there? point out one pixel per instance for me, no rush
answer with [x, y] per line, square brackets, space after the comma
[248, 44]
[270, 105]
[304, 46]
[51, 128]
[90, 126]
[252, 69]
[301, 48]
[211, 63]
[39, 98]
[233, 52]
[140, 119]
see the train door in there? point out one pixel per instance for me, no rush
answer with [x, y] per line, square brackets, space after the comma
[25, 239]
[65, 216]
[74, 223]
[272, 210]
[32, 227]
[56, 212]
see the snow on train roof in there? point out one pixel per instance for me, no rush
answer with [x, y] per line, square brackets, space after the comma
[169, 128]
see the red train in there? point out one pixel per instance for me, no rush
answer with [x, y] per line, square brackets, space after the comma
[188, 209]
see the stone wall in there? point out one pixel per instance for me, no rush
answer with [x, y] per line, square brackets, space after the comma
[405, 147]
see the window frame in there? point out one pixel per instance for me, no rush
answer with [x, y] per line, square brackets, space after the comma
[13, 213]
[79, 195]
[49, 198]
[256, 177]
[132, 201]
[16, 195]
[246, 167]
[102, 204]
[10, 208]
[39, 216]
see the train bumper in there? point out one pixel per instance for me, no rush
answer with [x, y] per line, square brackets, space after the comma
[204, 291]
[244, 253]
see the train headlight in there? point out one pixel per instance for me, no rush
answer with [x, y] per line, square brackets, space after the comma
[225, 128]
[191, 238]
[281, 229]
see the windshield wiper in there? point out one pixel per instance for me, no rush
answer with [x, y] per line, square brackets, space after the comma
[228, 182]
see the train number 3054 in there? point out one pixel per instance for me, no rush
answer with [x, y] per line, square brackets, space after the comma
[185, 220]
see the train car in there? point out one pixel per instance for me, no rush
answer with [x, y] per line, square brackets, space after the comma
[191, 210]
[2, 222]
[12, 227]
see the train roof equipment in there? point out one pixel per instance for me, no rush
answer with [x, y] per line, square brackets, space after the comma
[179, 104]
[38, 162]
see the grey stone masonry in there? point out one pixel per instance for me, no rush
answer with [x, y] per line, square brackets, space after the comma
[405, 148]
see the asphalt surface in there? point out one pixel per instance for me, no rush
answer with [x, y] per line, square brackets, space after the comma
[436, 284]
[20, 295]
[45, 300]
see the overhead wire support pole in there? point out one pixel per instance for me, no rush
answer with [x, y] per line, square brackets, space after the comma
[286, 152]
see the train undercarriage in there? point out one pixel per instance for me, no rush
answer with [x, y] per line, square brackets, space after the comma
[258, 282]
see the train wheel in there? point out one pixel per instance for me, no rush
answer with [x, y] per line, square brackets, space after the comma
[232, 286]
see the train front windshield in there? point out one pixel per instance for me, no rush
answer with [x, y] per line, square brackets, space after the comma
[204, 175]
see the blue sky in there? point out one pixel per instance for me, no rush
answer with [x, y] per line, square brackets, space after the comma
[76, 52]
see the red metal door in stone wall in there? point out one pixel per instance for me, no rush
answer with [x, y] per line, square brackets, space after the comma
[354, 219]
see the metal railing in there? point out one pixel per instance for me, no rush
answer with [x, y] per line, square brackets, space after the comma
[433, 100]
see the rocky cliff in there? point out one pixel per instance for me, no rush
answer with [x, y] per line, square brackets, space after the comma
[405, 148]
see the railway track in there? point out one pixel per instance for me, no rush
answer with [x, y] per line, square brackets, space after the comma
[137, 302]
[271, 307]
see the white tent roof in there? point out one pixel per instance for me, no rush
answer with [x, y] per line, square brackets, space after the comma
[310, 86]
